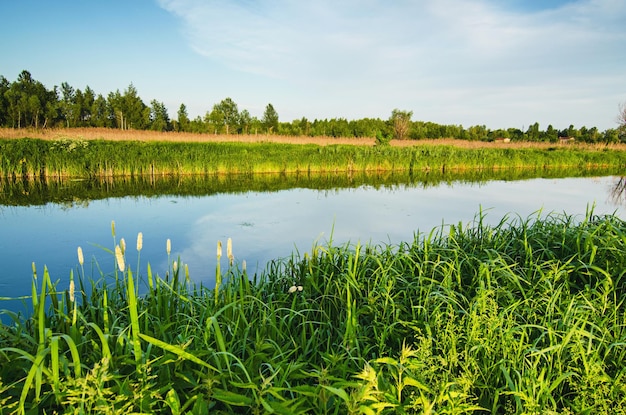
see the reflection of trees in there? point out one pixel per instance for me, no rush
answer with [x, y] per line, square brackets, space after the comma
[618, 191]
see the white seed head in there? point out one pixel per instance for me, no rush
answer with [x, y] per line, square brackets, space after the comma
[292, 289]
[168, 246]
[119, 257]
[243, 265]
[81, 260]
[175, 266]
[229, 251]
[219, 249]
[139, 241]
[72, 288]
[123, 245]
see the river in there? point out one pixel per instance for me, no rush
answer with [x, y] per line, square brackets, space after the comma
[263, 225]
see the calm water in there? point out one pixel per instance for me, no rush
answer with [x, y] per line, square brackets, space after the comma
[263, 225]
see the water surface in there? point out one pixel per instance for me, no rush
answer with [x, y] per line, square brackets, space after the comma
[265, 225]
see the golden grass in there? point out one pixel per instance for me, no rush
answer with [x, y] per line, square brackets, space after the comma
[143, 135]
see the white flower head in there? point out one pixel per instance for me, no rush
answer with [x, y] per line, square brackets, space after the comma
[81, 260]
[72, 289]
[295, 288]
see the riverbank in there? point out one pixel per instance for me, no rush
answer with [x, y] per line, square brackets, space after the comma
[86, 158]
[109, 134]
[522, 317]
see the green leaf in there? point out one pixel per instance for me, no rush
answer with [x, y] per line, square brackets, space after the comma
[231, 398]
[177, 350]
[171, 399]
[338, 392]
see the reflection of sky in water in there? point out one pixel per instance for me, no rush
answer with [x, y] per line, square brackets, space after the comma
[264, 226]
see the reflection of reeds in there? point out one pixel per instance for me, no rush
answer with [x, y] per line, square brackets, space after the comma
[618, 191]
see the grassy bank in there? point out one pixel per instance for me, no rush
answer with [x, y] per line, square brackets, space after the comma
[36, 158]
[523, 317]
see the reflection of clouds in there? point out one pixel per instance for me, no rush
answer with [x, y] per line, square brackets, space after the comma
[266, 226]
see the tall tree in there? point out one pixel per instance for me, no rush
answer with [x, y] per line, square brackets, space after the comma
[137, 113]
[224, 116]
[101, 113]
[401, 123]
[245, 120]
[4, 105]
[183, 118]
[68, 106]
[533, 133]
[621, 120]
[270, 119]
[159, 119]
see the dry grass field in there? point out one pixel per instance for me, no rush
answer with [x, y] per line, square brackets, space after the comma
[142, 135]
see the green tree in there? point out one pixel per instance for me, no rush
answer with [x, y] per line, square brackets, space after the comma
[128, 110]
[245, 120]
[270, 119]
[621, 121]
[477, 133]
[4, 105]
[101, 113]
[224, 117]
[137, 113]
[68, 107]
[183, 118]
[552, 135]
[25, 100]
[401, 123]
[159, 118]
[86, 106]
[532, 134]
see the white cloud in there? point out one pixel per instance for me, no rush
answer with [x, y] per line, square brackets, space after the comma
[417, 54]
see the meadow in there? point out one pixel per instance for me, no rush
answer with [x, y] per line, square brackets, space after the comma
[523, 317]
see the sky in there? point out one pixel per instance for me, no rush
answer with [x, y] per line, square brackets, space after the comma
[498, 63]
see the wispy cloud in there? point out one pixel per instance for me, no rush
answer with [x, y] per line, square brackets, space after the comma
[419, 53]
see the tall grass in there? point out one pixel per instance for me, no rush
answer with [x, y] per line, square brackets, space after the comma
[100, 158]
[523, 317]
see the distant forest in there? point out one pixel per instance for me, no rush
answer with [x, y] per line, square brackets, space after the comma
[27, 103]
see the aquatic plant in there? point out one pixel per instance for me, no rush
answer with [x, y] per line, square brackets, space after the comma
[36, 158]
[526, 316]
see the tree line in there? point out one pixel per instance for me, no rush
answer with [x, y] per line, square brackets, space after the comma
[27, 103]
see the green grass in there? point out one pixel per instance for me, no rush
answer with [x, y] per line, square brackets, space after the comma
[523, 317]
[35, 158]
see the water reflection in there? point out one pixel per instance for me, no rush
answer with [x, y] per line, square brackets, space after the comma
[76, 193]
[266, 218]
[618, 191]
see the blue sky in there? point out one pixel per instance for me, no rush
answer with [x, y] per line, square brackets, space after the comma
[501, 63]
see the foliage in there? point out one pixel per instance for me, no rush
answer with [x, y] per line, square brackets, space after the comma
[27, 103]
[270, 119]
[401, 122]
[522, 317]
[382, 140]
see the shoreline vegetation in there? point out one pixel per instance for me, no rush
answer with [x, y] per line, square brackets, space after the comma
[523, 317]
[68, 154]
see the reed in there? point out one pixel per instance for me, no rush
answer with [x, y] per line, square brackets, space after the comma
[36, 158]
[526, 316]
